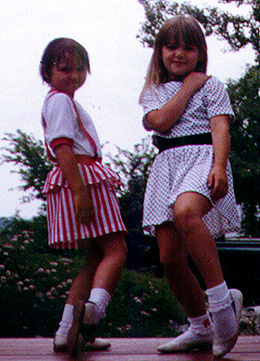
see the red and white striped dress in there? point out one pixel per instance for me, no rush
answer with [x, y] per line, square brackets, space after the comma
[66, 122]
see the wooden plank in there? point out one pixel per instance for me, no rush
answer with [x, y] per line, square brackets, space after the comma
[123, 349]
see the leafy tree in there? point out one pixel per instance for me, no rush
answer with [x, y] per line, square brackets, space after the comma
[245, 156]
[237, 30]
[28, 154]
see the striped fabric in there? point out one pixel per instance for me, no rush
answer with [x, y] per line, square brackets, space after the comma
[91, 174]
[64, 231]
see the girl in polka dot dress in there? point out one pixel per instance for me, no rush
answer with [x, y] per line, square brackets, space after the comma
[82, 207]
[189, 198]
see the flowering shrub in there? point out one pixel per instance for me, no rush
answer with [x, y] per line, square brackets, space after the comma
[142, 306]
[34, 288]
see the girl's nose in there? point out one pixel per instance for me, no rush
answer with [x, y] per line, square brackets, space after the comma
[179, 51]
[73, 74]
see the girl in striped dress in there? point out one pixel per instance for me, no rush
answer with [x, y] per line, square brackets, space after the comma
[189, 197]
[82, 207]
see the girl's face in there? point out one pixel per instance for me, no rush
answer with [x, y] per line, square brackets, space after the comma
[68, 75]
[179, 59]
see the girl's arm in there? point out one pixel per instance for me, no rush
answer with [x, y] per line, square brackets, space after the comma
[164, 118]
[83, 204]
[217, 179]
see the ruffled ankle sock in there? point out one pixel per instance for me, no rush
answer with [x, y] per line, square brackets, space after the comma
[100, 297]
[222, 311]
[201, 325]
[66, 320]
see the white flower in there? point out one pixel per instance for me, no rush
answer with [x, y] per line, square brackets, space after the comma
[53, 264]
[137, 300]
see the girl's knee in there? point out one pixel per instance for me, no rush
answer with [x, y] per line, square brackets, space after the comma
[114, 246]
[185, 218]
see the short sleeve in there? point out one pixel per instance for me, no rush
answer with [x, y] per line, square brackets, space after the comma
[60, 118]
[150, 101]
[217, 99]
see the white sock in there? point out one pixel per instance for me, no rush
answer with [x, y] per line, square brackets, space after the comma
[100, 297]
[201, 325]
[221, 309]
[66, 320]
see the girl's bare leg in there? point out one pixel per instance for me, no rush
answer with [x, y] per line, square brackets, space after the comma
[113, 252]
[173, 256]
[82, 284]
[189, 209]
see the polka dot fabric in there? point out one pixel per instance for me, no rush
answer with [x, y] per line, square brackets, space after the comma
[211, 100]
[186, 169]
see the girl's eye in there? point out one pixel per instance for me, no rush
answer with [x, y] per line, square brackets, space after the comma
[65, 69]
[190, 48]
[171, 46]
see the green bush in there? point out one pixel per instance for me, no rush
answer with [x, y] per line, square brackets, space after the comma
[34, 287]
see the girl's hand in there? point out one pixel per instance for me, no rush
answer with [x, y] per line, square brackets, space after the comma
[83, 205]
[218, 182]
[170, 113]
[81, 193]
[195, 80]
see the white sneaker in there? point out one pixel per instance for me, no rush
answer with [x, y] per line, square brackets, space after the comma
[187, 341]
[222, 347]
[60, 344]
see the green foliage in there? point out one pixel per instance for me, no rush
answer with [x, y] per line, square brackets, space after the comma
[245, 156]
[237, 30]
[133, 168]
[28, 154]
[145, 307]
[34, 289]
[37, 225]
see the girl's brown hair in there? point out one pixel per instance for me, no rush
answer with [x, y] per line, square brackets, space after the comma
[56, 50]
[180, 28]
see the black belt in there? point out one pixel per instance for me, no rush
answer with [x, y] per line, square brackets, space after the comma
[166, 143]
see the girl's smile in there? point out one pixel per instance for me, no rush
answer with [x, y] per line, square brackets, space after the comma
[68, 75]
[179, 60]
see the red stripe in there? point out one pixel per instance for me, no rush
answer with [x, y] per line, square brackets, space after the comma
[63, 231]
[61, 141]
[100, 206]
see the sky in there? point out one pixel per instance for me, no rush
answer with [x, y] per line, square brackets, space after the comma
[108, 30]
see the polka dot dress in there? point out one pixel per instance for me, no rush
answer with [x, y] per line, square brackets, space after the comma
[186, 168]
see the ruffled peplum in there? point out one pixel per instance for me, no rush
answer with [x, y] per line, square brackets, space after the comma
[91, 174]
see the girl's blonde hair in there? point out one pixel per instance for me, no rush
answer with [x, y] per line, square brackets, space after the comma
[180, 28]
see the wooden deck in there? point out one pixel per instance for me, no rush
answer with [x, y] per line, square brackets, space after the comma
[122, 349]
